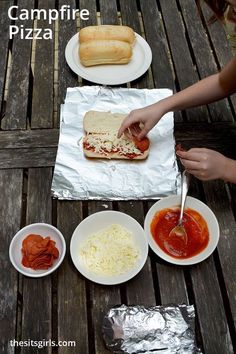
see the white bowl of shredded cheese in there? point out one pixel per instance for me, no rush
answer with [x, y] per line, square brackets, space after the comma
[109, 247]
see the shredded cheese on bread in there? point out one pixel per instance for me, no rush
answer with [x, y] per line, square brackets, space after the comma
[110, 251]
[101, 140]
[108, 142]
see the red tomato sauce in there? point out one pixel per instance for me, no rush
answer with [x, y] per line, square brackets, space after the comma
[88, 147]
[196, 228]
[130, 155]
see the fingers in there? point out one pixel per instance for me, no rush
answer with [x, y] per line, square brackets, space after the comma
[197, 161]
[192, 160]
[131, 125]
[198, 174]
[183, 155]
[128, 134]
[135, 129]
[195, 154]
[132, 122]
[143, 133]
[200, 151]
[190, 165]
[125, 125]
[196, 168]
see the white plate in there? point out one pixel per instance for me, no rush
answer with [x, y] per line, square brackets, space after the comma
[111, 74]
[97, 222]
[201, 208]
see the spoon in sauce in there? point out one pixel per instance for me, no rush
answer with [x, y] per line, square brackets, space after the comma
[179, 230]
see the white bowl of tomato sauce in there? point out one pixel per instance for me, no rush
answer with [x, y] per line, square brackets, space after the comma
[37, 250]
[200, 224]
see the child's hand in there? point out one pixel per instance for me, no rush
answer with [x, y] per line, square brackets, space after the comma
[203, 163]
[148, 116]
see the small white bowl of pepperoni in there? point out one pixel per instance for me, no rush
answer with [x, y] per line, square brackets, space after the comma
[37, 250]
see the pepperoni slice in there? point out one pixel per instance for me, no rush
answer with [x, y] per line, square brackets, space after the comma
[179, 147]
[38, 252]
[142, 145]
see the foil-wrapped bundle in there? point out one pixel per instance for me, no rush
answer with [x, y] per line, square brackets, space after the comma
[158, 329]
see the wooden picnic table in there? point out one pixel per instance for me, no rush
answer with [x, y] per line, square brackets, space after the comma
[34, 77]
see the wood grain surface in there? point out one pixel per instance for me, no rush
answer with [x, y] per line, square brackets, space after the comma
[65, 306]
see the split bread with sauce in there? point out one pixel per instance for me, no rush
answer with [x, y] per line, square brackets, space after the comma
[101, 138]
[106, 44]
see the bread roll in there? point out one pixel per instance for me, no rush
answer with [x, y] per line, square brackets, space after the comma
[99, 52]
[101, 138]
[102, 122]
[120, 33]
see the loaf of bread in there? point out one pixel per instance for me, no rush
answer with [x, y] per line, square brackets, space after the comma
[101, 138]
[99, 52]
[120, 33]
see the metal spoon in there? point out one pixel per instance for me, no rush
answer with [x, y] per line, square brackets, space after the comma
[179, 230]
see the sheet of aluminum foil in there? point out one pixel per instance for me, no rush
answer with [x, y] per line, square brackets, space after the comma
[76, 177]
[158, 329]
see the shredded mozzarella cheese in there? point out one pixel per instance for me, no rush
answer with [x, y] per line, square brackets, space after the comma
[108, 142]
[110, 251]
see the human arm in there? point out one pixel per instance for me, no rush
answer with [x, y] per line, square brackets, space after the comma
[210, 89]
[206, 164]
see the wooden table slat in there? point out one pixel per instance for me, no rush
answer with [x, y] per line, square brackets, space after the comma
[220, 42]
[173, 288]
[10, 210]
[66, 77]
[128, 8]
[203, 55]
[208, 299]
[183, 64]
[209, 305]
[215, 191]
[71, 286]
[108, 10]
[17, 102]
[26, 158]
[129, 14]
[29, 139]
[4, 37]
[42, 104]
[92, 7]
[161, 65]
[218, 37]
